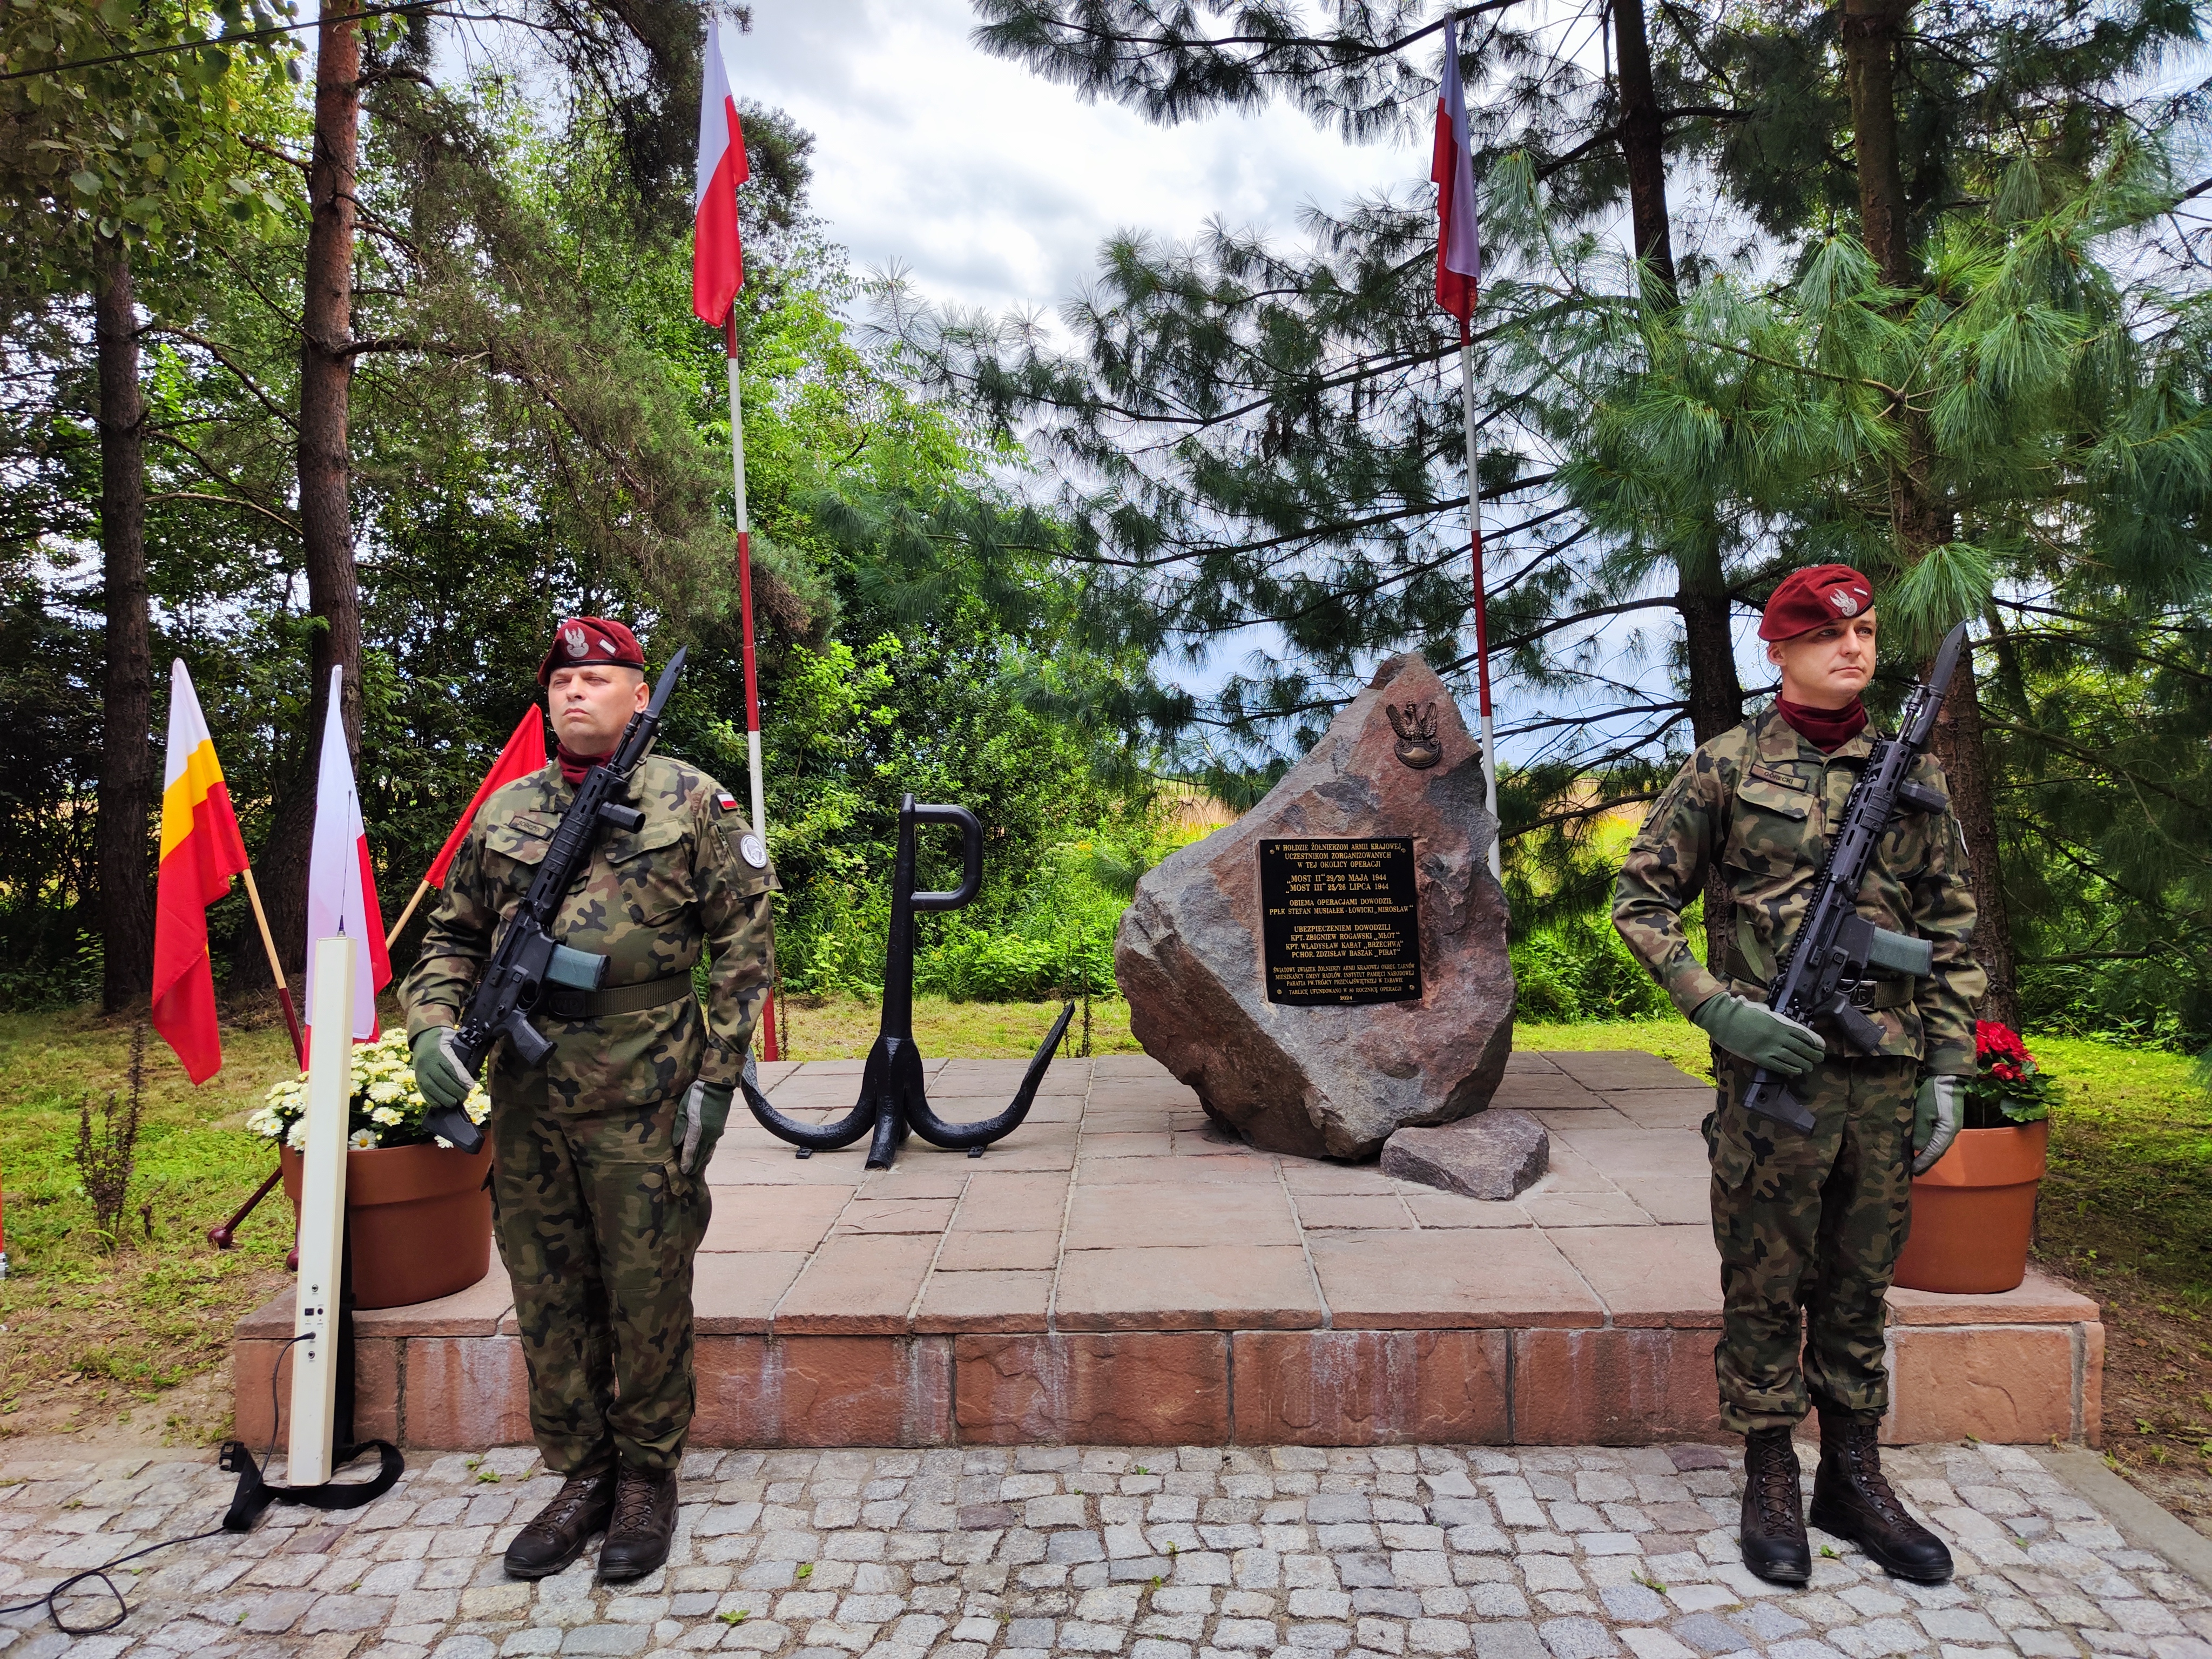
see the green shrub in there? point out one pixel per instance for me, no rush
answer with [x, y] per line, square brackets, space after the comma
[1581, 969]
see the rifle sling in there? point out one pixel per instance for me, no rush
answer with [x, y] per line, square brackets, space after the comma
[563, 1003]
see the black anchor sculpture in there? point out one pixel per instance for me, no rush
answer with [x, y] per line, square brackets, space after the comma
[894, 1099]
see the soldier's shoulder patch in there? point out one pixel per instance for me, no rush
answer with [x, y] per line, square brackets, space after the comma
[725, 801]
[753, 850]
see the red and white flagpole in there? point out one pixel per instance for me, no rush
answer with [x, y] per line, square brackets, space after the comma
[1481, 615]
[718, 271]
[769, 1049]
[1459, 278]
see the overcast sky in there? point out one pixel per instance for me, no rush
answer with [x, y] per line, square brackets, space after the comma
[995, 187]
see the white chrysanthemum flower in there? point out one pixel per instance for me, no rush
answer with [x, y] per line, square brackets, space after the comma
[387, 1117]
[296, 1138]
[384, 1091]
[362, 1141]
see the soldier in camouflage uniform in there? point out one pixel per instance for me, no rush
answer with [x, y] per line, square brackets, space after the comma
[599, 1156]
[1809, 1225]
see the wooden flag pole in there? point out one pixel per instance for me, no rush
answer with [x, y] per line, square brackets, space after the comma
[1481, 620]
[277, 971]
[408, 914]
[224, 1236]
[769, 1048]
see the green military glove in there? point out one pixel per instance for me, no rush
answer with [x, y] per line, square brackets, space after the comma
[1934, 1122]
[1758, 1034]
[437, 1073]
[700, 1120]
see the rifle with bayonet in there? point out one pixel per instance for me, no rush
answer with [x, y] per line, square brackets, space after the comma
[528, 958]
[1829, 968]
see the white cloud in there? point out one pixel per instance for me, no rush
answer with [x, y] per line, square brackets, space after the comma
[995, 187]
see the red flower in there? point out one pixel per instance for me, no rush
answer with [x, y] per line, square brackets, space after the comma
[1994, 1043]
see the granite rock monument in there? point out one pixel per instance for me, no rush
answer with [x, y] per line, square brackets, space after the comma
[1332, 966]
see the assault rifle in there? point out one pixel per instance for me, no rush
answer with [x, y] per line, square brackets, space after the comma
[528, 958]
[1827, 969]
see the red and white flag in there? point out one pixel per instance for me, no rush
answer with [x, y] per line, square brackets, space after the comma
[718, 265]
[341, 884]
[1459, 238]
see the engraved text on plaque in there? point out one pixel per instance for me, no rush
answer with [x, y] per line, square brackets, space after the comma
[1340, 922]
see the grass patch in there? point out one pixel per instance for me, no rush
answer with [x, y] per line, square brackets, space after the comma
[91, 1331]
[844, 1028]
[1674, 1040]
[2130, 1189]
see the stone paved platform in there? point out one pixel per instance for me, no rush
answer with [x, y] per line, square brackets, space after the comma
[1057, 1552]
[1120, 1271]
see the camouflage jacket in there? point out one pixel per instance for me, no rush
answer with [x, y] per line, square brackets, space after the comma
[652, 902]
[1759, 801]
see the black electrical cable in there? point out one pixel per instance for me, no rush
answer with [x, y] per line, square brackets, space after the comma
[51, 1599]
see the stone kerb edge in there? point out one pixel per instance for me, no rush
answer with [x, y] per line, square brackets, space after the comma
[2017, 1383]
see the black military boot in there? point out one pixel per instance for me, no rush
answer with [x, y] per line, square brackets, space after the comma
[644, 1521]
[1773, 1532]
[558, 1534]
[1852, 1499]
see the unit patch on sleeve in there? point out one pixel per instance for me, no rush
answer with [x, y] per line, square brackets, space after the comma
[725, 800]
[754, 851]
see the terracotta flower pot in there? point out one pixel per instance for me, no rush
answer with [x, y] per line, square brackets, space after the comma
[418, 1220]
[1972, 1212]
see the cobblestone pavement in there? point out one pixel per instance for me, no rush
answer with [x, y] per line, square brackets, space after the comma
[1027, 1553]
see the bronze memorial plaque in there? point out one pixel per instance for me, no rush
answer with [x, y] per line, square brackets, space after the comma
[1340, 922]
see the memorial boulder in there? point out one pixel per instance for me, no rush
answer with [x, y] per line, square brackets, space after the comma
[1332, 966]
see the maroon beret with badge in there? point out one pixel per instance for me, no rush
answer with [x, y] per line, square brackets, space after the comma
[583, 640]
[1813, 598]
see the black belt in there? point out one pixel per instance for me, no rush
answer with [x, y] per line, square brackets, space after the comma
[563, 1003]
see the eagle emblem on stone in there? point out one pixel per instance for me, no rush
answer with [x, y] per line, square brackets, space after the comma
[1415, 723]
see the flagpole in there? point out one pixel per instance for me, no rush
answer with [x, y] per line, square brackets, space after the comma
[277, 969]
[769, 1047]
[1481, 615]
[407, 916]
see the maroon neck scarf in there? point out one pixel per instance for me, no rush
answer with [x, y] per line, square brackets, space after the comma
[573, 765]
[1826, 729]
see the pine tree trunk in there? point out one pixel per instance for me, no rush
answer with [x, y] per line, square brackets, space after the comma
[1642, 134]
[326, 508]
[1872, 31]
[1963, 749]
[1716, 705]
[127, 759]
[1701, 591]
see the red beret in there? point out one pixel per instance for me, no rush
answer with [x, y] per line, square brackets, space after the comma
[1813, 598]
[590, 638]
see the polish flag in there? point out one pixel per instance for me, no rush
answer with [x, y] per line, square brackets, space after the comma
[718, 265]
[341, 885]
[1459, 239]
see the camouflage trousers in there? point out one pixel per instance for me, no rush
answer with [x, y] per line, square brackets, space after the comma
[598, 1228]
[1809, 1227]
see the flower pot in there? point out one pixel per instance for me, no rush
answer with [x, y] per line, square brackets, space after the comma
[418, 1220]
[1972, 1212]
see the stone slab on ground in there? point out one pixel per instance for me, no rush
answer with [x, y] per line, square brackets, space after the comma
[1497, 1154]
[1117, 1270]
[1070, 1553]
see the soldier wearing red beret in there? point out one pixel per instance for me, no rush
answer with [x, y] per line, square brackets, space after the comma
[599, 1170]
[1809, 1225]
